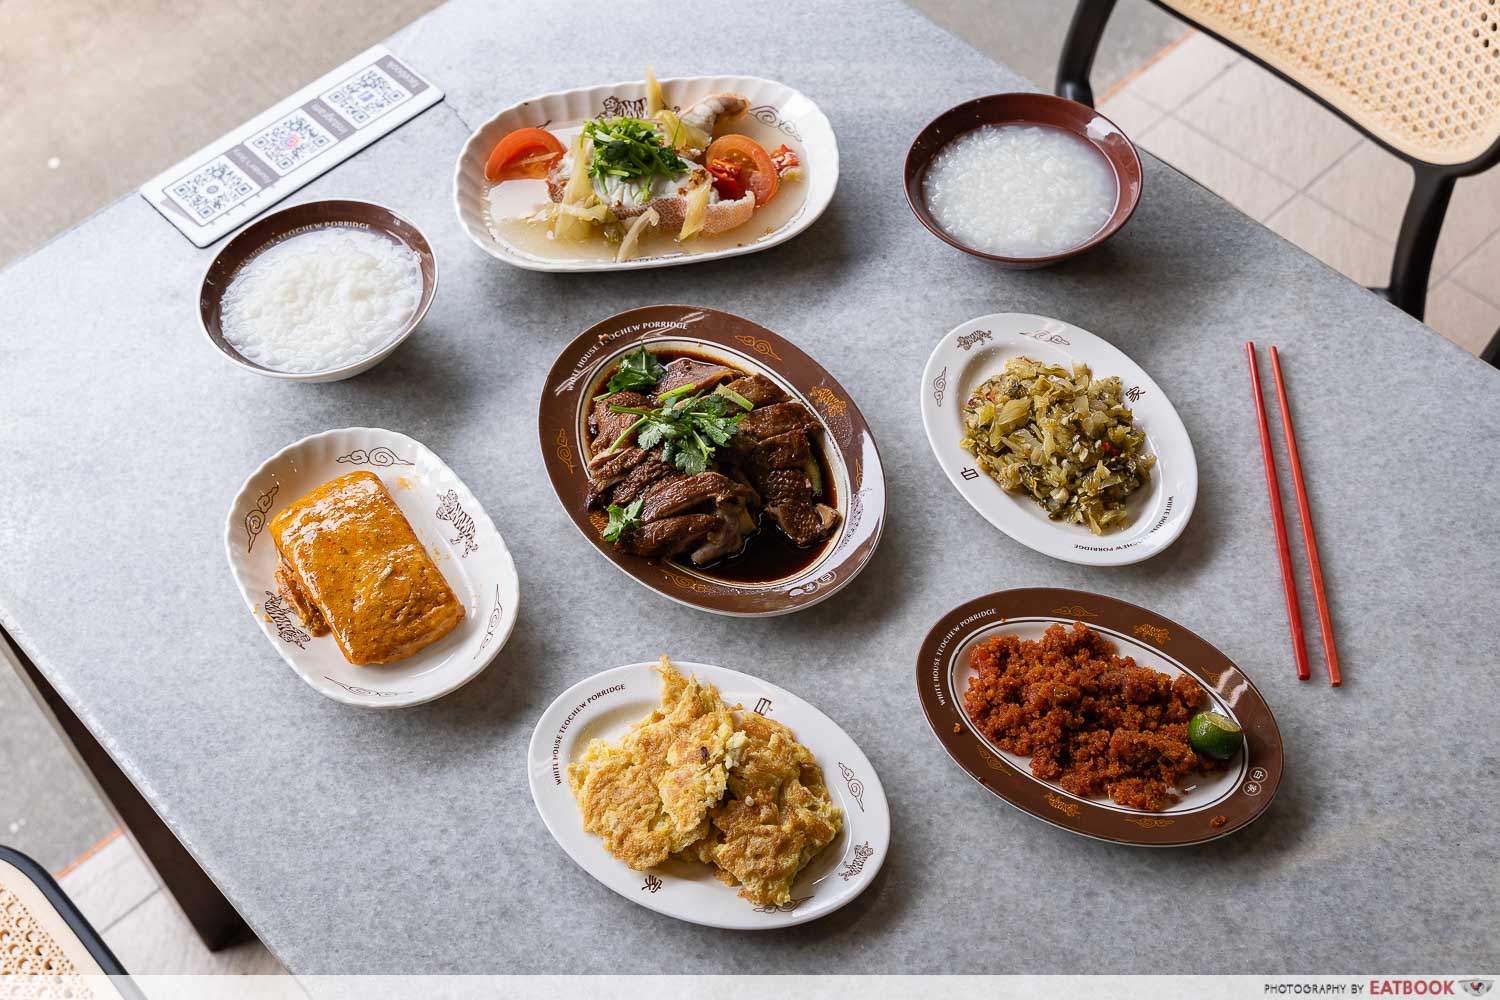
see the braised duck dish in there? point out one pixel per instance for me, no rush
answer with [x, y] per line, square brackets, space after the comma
[690, 459]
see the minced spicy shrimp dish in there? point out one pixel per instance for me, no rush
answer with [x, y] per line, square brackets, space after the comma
[1093, 722]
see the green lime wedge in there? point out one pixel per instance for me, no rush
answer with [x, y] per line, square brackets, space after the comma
[1215, 735]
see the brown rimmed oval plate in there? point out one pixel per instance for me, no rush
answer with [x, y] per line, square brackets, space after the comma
[851, 460]
[1239, 795]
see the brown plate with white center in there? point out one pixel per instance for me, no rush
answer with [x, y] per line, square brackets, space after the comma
[770, 575]
[1214, 805]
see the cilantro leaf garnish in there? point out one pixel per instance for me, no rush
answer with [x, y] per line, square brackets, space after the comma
[638, 370]
[688, 428]
[622, 520]
[632, 150]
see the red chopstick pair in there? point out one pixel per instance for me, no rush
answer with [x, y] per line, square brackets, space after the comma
[1278, 521]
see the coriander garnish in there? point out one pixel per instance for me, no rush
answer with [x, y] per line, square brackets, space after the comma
[632, 150]
[638, 370]
[688, 429]
[622, 520]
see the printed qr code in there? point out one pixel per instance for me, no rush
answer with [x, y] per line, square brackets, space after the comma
[213, 189]
[366, 96]
[293, 140]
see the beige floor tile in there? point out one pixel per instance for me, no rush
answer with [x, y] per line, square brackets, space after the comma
[1244, 185]
[1473, 217]
[110, 883]
[1480, 272]
[1249, 111]
[1334, 240]
[1131, 113]
[1462, 316]
[1184, 71]
[1368, 186]
[156, 939]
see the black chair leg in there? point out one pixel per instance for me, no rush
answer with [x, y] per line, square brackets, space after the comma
[1077, 61]
[1420, 228]
[1492, 352]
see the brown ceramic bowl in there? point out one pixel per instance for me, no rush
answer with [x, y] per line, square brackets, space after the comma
[1026, 109]
[255, 239]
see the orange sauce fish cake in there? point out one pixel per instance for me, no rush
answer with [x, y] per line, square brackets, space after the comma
[350, 557]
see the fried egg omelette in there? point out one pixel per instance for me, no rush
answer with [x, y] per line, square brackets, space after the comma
[649, 795]
[776, 817]
[711, 783]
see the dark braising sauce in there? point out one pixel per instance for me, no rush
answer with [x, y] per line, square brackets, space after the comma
[768, 554]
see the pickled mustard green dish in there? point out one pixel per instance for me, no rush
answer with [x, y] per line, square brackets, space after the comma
[1064, 438]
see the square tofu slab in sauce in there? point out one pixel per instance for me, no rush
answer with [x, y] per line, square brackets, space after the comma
[350, 558]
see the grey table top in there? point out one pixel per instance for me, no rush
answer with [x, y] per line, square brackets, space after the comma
[359, 841]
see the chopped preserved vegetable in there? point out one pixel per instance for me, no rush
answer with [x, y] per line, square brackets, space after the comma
[1066, 439]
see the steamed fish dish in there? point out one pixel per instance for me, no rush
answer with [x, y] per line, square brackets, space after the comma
[659, 180]
[707, 782]
[1064, 438]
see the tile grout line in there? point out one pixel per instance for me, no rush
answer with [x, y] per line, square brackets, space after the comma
[136, 906]
[1450, 274]
[1225, 149]
[1201, 90]
[1129, 78]
[1308, 193]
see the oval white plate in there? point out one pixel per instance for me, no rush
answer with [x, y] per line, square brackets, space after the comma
[606, 705]
[974, 351]
[448, 520]
[773, 104]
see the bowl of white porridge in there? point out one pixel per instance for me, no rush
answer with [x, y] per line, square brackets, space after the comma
[1025, 180]
[318, 292]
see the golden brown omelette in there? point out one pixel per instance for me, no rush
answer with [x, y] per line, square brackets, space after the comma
[776, 817]
[711, 783]
[649, 795]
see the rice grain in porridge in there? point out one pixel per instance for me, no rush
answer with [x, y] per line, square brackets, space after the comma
[1020, 190]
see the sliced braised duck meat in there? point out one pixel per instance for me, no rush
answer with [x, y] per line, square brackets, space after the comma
[759, 390]
[789, 502]
[671, 496]
[738, 474]
[701, 374]
[736, 525]
[776, 419]
[670, 536]
[612, 467]
[606, 425]
[643, 475]
[791, 450]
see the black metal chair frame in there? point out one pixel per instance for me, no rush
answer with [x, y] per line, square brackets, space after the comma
[75, 920]
[1432, 184]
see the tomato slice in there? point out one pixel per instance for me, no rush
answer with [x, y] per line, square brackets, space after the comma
[757, 172]
[524, 153]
